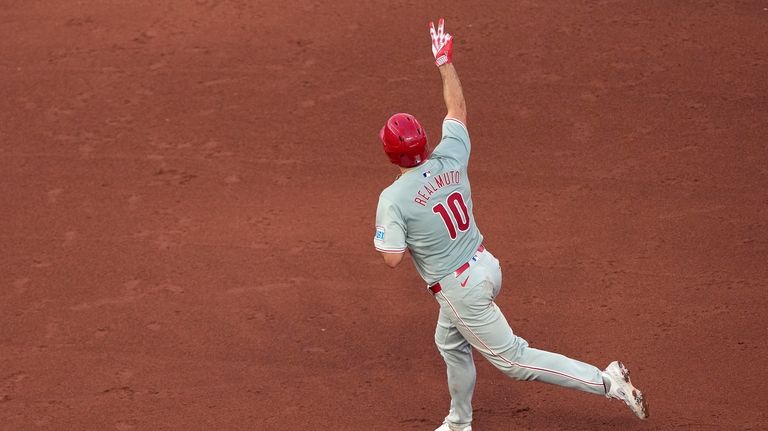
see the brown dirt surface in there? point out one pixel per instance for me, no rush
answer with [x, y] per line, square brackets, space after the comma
[188, 189]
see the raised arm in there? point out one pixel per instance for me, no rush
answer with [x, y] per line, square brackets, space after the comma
[442, 49]
[454, 97]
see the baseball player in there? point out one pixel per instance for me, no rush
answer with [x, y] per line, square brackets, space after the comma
[428, 211]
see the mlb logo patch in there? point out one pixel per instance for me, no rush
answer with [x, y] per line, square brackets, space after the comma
[380, 233]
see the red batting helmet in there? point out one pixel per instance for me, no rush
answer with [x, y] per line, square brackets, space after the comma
[405, 141]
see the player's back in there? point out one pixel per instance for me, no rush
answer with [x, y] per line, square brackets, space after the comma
[429, 209]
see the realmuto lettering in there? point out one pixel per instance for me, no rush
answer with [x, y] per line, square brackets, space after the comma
[434, 184]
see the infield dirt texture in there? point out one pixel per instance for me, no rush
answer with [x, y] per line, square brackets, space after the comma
[188, 189]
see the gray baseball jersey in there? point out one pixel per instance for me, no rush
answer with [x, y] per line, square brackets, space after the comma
[428, 210]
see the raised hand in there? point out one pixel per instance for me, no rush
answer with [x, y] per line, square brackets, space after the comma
[442, 43]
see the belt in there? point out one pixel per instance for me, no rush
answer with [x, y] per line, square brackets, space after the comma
[436, 287]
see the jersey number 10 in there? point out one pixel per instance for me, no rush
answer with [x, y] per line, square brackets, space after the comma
[460, 213]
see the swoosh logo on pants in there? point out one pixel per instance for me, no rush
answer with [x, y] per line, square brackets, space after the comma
[465, 282]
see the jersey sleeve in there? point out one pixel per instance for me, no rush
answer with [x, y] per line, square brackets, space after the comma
[390, 228]
[455, 142]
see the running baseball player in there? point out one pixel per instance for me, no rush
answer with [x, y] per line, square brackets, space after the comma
[428, 211]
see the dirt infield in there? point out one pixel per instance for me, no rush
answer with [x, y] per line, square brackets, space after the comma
[188, 188]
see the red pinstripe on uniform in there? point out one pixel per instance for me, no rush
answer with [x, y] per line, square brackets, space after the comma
[390, 250]
[453, 119]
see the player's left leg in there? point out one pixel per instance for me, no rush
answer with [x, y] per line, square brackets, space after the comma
[460, 368]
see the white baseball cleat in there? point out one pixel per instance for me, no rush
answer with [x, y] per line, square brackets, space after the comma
[445, 427]
[622, 389]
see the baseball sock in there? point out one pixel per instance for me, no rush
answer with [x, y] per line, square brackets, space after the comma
[606, 383]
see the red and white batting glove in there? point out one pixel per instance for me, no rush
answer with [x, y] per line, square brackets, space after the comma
[442, 43]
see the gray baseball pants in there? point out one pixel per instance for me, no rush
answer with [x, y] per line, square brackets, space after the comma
[470, 318]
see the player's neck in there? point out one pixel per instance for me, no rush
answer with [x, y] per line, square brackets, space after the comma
[405, 170]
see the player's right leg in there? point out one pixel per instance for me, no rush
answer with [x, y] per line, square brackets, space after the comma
[482, 324]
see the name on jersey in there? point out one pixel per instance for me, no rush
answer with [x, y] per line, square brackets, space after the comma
[436, 183]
